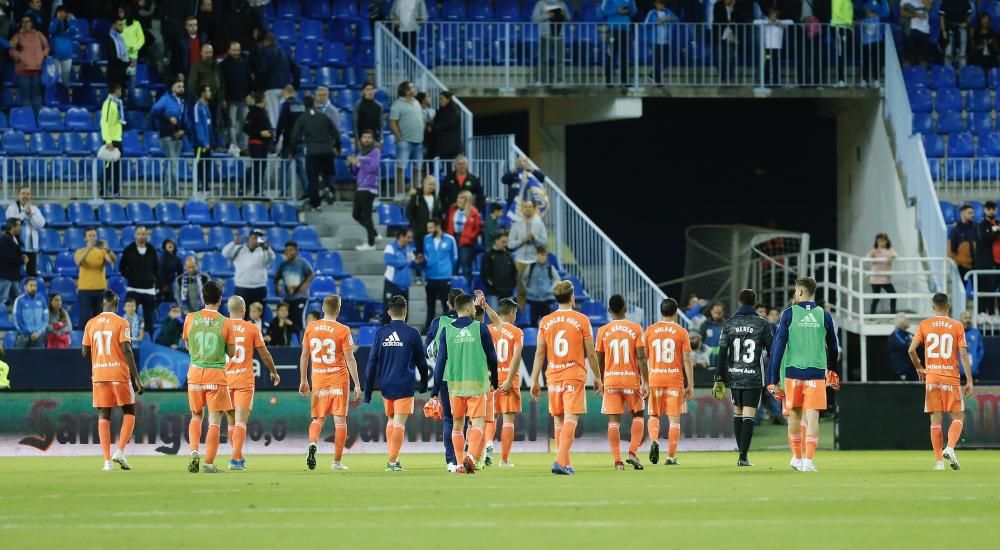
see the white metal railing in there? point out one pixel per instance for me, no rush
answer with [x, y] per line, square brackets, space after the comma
[398, 177]
[969, 177]
[985, 296]
[394, 63]
[762, 54]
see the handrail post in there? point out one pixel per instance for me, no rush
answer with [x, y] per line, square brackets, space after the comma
[506, 88]
[379, 58]
[637, 28]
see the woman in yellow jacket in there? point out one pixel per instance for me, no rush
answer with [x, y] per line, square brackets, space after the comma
[134, 37]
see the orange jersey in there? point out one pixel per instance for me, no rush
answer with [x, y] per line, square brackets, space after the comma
[327, 342]
[104, 335]
[564, 332]
[245, 337]
[505, 338]
[943, 338]
[620, 341]
[666, 344]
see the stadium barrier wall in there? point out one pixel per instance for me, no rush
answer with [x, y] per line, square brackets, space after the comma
[890, 415]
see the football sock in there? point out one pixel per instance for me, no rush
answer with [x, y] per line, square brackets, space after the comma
[566, 436]
[804, 433]
[128, 425]
[506, 440]
[212, 443]
[614, 440]
[653, 428]
[937, 441]
[458, 440]
[954, 433]
[747, 433]
[491, 431]
[104, 434]
[795, 443]
[194, 433]
[389, 427]
[315, 428]
[396, 442]
[477, 442]
[675, 436]
[339, 440]
[239, 437]
[229, 434]
[638, 427]
[811, 446]
[738, 433]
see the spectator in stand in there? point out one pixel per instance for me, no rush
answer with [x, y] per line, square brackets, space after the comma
[659, 36]
[57, 334]
[550, 14]
[314, 132]
[491, 227]
[465, 224]
[618, 14]
[291, 109]
[841, 36]
[985, 44]
[440, 257]
[773, 316]
[292, 281]
[210, 20]
[92, 282]
[188, 285]
[170, 112]
[695, 305]
[272, 71]
[251, 262]
[135, 37]
[37, 13]
[61, 41]
[170, 331]
[241, 21]
[399, 260]
[112, 121]
[365, 166]
[526, 235]
[28, 49]
[187, 48]
[259, 136]
[136, 326]
[427, 113]
[118, 60]
[170, 267]
[368, 115]
[236, 81]
[987, 256]
[521, 175]
[203, 137]
[498, 272]
[407, 125]
[139, 265]
[322, 105]
[421, 209]
[701, 355]
[773, 33]
[11, 260]
[726, 39]
[538, 279]
[883, 254]
[974, 339]
[32, 222]
[872, 32]
[446, 131]
[899, 344]
[962, 240]
[916, 30]
[256, 317]
[206, 72]
[711, 329]
[460, 179]
[407, 15]
[30, 316]
[956, 17]
[282, 328]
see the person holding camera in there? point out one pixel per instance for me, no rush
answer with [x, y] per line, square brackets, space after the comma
[250, 262]
[91, 284]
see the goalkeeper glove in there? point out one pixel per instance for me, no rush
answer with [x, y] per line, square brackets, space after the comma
[833, 380]
[719, 389]
[776, 392]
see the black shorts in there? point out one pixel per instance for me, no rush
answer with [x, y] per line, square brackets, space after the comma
[747, 398]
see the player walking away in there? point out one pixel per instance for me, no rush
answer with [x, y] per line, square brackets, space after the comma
[244, 338]
[394, 360]
[431, 345]
[566, 344]
[941, 337]
[490, 420]
[330, 346]
[508, 341]
[467, 361]
[621, 355]
[805, 347]
[669, 366]
[745, 338]
[206, 333]
[108, 344]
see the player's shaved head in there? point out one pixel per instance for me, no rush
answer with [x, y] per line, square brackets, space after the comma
[807, 285]
[748, 297]
[563, 291]
[331, 304]
[110, 301]
[453, 294]
[236, 306]
[668, 307]
[508, 307]
[480, 314]
[616, 305]
[941, 302]
[397, 308]
[212, 293]
[465, 305]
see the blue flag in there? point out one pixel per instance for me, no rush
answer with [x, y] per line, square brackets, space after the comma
[162, 367]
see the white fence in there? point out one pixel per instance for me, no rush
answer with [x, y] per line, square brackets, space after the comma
[969, 177]
[510, 56]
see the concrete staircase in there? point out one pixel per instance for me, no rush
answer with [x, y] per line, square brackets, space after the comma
[338, 231]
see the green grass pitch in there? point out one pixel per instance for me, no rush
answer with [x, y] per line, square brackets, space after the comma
[862, 499]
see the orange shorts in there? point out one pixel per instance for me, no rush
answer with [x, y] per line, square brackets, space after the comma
[215, 396]
[805, 394]
[943, 398]
[491, 406]
[667, 401]
[472, 407]
[616, 400]
[393, 407]
[509, 403]
[332, 400]
[242, 398]
[568, 397]
[113, 394]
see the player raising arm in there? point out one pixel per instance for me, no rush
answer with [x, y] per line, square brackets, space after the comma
[942, 337]
[244, 338]
[331, 348]
[566, 344]
[509, 341]
[669, 352]
[621, 355]
[108, 344]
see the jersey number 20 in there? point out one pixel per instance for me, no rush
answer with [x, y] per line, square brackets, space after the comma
[940, 346]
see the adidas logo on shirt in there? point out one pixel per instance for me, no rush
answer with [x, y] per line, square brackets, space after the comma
[392, 341]
[809, 321]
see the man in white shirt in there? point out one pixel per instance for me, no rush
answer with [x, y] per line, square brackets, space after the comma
[407, 15]
[32, 222]
[250, 262]
[916, 40]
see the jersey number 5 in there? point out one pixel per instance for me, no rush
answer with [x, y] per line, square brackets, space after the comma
[328, 346]
[239, 350]
[940, 346]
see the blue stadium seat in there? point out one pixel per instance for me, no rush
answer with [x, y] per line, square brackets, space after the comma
[96, 54]
[140, 213]
[111, 236]
[45, 268]
[197, 211]
[284, 30]
[227, 214]
[23, 119]
[216, 265]
[159, 235]
[74, 239]
[958, 169]
[596, 311]
[66, 265]
[307, 54]
[113, 214]
[330, 77]
[366, 335]
[353, 290]
[128, 235]
[346, 100]
[50, 241]
[14, 143]
[980, 122]
[942, 77]
[461, 283]
[971, 77]
[152, 143]
[192, 237]
[139, 99]
[75, 144]
[933, 145]
[4, 125]
[5, 323]
[977, 211]
[318, 9]
[993, 76]
[960, 145]
[78, 118]
[56, 95]
[228, 288]
[81, 30]
[334, 54]
[984, 169]
[219, 237]
[289, 9]
[169, 213]
[950, 122]
[980, 100]
[508, 11]
[578, 290]
[921, 100]
[256, 215]
[65, 287]
[321, 287]
[948, 99]
[346, 10]
[50, 119]
[82, 215]
[480, 10]
[90, 96]
[306, 237]
[45, 144]
[331, 265]
[311, 30]
[278, 236]
[454, 10]
[10, 339]
[989, 145]
[118, 284]
[131, 145]
[391, 216]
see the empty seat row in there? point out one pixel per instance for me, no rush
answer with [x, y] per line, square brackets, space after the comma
[962, 145]
[970, 77]
[950, 122]
[924, 100]
[188, 237]
[171, 214]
